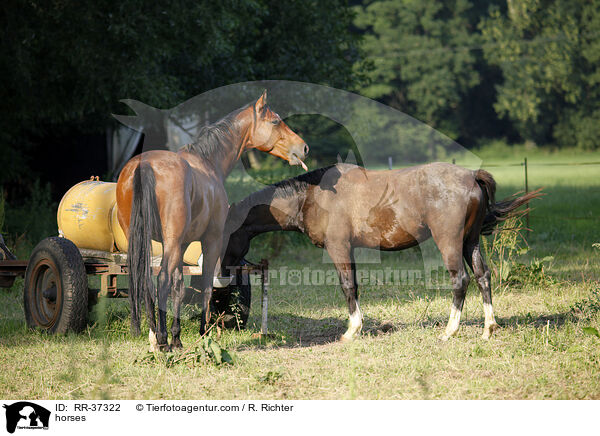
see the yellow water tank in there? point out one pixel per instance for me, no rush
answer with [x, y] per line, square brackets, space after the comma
[84, 215]
[120, 239]
[191, 255]
[87, 215]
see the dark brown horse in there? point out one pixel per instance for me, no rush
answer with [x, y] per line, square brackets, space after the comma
[178, 198]
[344, 206]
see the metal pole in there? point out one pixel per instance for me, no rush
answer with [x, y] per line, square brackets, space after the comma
[526, 191]
[265, 294]
[390, 162]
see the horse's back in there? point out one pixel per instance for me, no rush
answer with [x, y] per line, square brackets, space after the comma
[394, 209]
[169, 171]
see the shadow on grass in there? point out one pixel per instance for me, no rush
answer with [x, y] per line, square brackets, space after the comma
[292, 331]
[295, 331]
[288, 330]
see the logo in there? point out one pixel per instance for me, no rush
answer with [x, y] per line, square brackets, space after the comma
[26, 415]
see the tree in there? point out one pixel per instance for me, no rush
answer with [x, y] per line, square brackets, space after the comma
[65, 64]
[549, 54]
[428, 63]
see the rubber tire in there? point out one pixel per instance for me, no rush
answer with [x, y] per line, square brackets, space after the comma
[59, 261]
[235, 298]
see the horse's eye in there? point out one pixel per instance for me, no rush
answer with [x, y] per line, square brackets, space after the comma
[276, 122]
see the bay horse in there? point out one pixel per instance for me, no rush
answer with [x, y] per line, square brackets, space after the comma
[179, 197]
[344, 206]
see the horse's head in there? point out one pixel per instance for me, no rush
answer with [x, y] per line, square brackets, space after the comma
[270, 134]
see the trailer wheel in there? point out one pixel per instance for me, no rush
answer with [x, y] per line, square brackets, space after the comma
[56, 289]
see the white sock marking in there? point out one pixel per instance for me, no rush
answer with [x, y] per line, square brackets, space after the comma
[153, 341]
[453, 323]
[355, 323]
[490, 321]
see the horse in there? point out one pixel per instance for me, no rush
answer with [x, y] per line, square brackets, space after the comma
[179, 197]
[342, 207]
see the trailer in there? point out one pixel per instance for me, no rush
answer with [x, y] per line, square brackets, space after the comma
[61, 276]
[58, 295]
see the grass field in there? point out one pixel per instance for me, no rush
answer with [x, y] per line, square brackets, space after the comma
[541, 350]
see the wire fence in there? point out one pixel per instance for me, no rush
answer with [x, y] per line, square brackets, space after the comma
[526, 165]
[542, 164]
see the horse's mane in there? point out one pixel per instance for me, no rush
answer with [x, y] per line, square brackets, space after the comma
[212, 139]
[294, 185]
[288, 188]
[284, 189]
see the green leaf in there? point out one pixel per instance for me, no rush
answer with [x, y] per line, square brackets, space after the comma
[591, 331]
[217, 352]
[226, 357]
[506, 268]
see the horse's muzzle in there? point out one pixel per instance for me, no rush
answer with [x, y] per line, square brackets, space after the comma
[298, 154]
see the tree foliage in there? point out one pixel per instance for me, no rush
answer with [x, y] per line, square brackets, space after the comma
[65, 64]
[522, 70]
[549, 53]
[426, 61]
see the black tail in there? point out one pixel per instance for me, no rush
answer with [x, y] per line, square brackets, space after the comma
[143, 224]
[501, 211]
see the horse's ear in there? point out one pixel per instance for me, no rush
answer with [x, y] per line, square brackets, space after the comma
[261, 103]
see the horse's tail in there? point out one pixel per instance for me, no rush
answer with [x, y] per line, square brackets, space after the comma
[143, 223]
[501, 211]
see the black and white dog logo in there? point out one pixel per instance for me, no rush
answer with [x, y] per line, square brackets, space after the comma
[26, 415]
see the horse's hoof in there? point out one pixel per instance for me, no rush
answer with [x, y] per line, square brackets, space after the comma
[156, 347]
[488, 331]
[346, 339]
[176, 345]
[444, 337]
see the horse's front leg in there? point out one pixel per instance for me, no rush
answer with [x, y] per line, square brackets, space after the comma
[343, 258]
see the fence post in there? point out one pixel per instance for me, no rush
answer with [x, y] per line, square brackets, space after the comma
[264, 278]
[526, 191]
[390, 166]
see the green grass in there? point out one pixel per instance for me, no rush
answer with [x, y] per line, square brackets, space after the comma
[541, 350]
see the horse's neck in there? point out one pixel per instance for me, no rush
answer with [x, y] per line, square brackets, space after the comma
[230, 158]
[261, 213]
[224, 159]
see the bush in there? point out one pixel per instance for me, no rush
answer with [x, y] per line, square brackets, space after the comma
[507, 246]
[30, 222]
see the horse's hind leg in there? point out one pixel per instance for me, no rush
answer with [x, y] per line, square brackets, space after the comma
[451, 249]
[342, 256]
[160, 340]
[474, 258]
[168, 278]
[151, 315]
[211, 250]
[178, 294]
